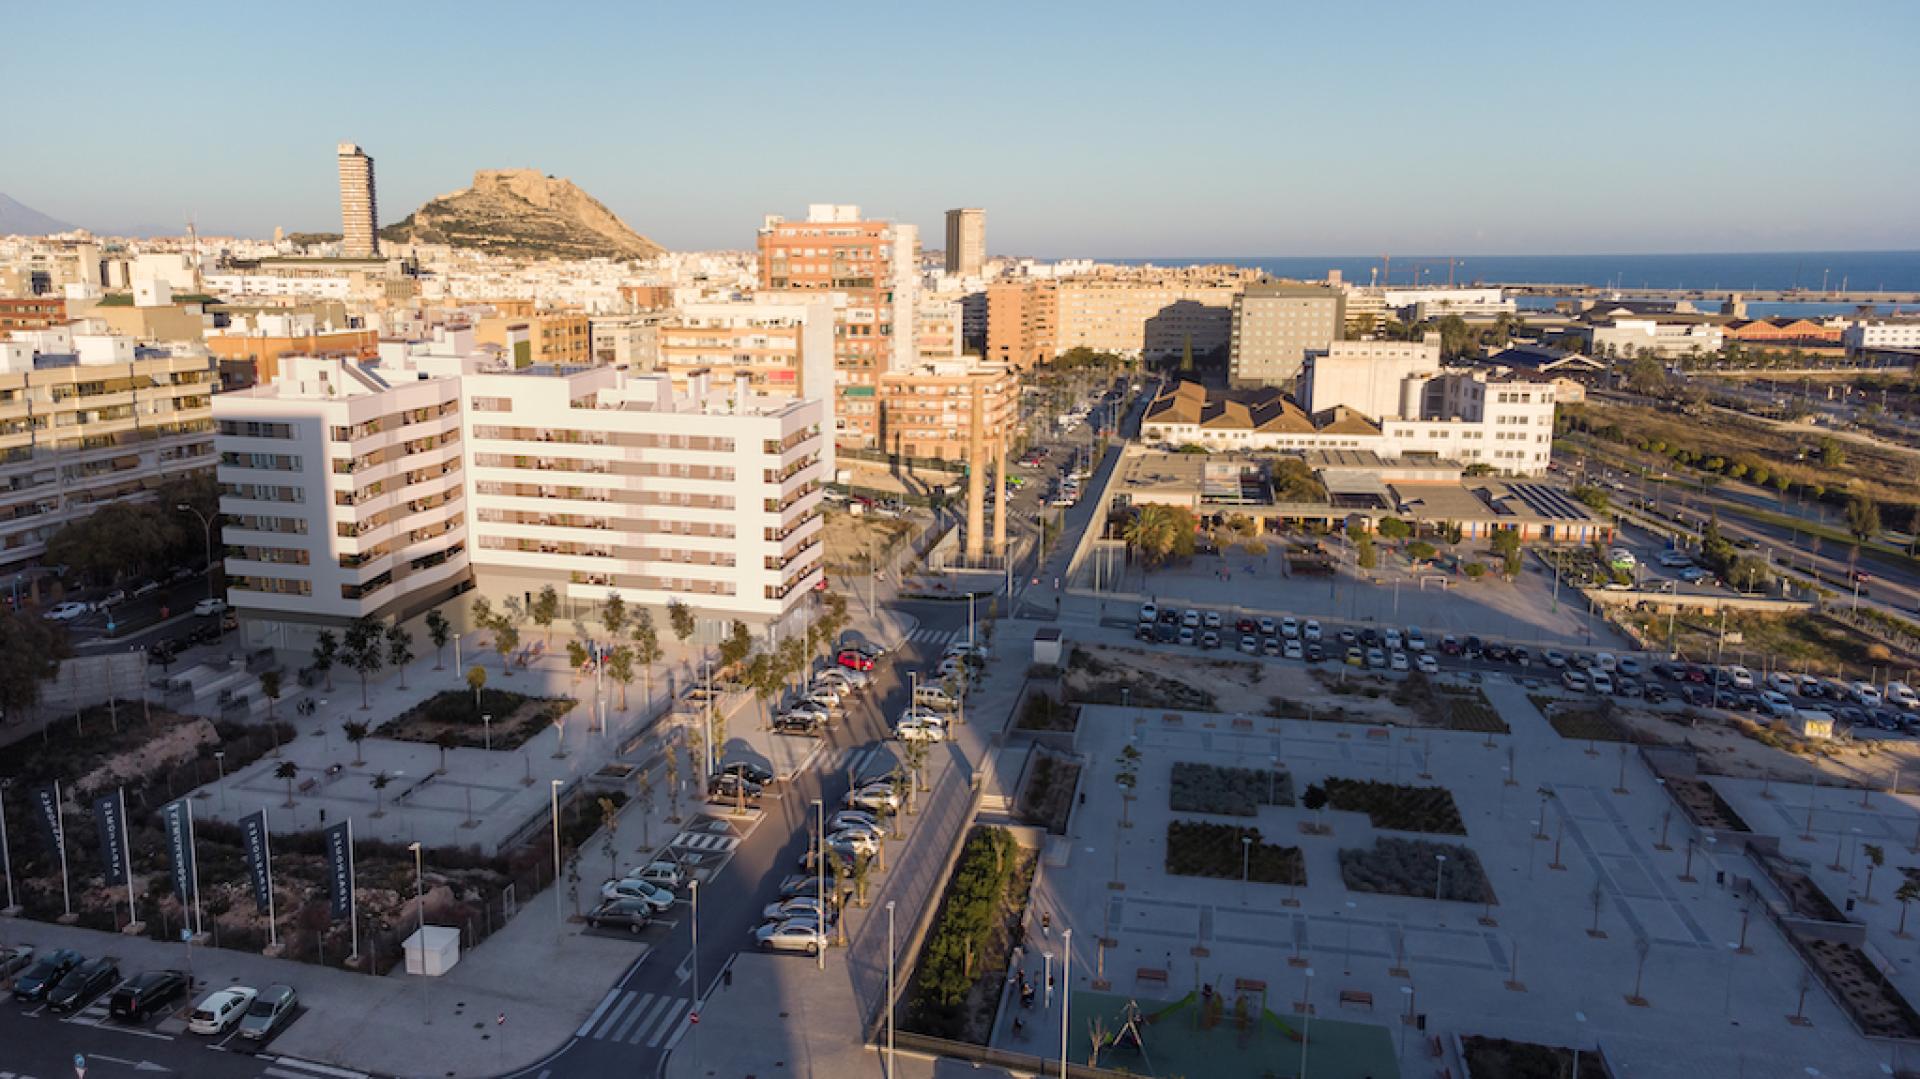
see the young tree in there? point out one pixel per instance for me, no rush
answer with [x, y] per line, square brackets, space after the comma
[577, 657]
[620, 669]
[379, 782]
[444, 741]
[476, 681]
[356, 733]
[736, 646]
[673, 787]
[1127, 776]
[646, 648]
[363, 651]
[270, 689]
[326, 649]
[680, 617]
[546, 607]
[1863, 518]
[287, 770]
[399, 651]
[482, 613]
[1876, 857]
[793, 657]
[1364, 554]
[644, 796]
[1393, 528]
[506, 638]
[439, 631]
[767, 681]
[613, 615]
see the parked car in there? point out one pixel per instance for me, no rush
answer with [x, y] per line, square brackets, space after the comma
[1211, 620]
[1554, 658]
[798, 723]
[1289, 627]
[1290, 648]
[1250, 644]
[39, 979]
[220, 1010]
[1149, 613]
[749, 771]
[846, 818]
[790, 935]
[1426, 664]
[732, 788]
[657, 898]
[853, 659]
[1416, 640]
[83, 983]
[1310, 630]
[661, 871]
[1601, 680]
[920, 729]
[1355, 657]
[874, 797]
[1187, 636]
[1315, 652]
[1210, 639]
[145, 993]
[1397, 661]
[1190, 618]
[1450, 645]
[1376, 658]
[207, 608]
[1574, 680]
[632, 915]
[808, 907]
[15, 959]
[272, 1008]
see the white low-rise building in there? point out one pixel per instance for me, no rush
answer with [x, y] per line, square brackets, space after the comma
[385, 488]
[1870, 336]
[1667, 340]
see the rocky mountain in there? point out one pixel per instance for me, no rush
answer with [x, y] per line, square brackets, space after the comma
[522, 212]
[19, 219]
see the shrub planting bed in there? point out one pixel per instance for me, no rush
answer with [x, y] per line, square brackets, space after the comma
[516, 718]
[1583, 720]
[1237, 792]
[1205, 849]
[1410, 867]
[1047, 799]
[1044, 712]
[954, 990]
[1498, 1058]
[1402, 809]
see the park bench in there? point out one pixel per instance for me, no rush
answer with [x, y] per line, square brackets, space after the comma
[308, 784]
[1249, 985]
[1378, 734]
[1171, 719]
[1357, 998]
[1243, 724]
[1150, 974]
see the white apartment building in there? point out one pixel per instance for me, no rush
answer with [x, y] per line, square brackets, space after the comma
[1420, 304]
[91, 418]
[387, 488]
[1667, 340]
[1369, 377]
[782, 342]
[1868, 336]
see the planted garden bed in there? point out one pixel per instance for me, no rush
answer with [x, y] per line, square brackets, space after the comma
[1399, 808]
[1582, 720]
[955, 988]
[1205, 849]
[1237, 792]
[457, 712]
[1044, 712]
[1047, 799]
[1498, 1058]
[1411, 867]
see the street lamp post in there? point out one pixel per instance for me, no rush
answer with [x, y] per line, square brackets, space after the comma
[820, 889]
[1440, 879]
[420, 901]
[220, 762]
[891, 963]
[1246, 852]
[486, 725]
[553, 792]
[1306, 1039]
[206, 525]
[693, 987]
[1066, 999]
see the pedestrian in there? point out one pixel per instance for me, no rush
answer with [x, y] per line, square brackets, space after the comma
[1019, 1027]
[1046, 925]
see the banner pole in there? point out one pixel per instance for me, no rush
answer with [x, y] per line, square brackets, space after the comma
[193, 855]
[60, 827]
[266, 844]
[6, 852]
[126, 857]
[353, 905]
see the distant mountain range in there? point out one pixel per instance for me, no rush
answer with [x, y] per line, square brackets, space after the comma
[521, 212]
[19, 219]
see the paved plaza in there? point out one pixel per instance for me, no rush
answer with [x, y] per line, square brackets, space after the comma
[1538, 965]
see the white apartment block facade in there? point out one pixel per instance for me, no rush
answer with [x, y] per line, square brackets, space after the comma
[1367, 376]
[1867, 336]
[385, 489]
[87, 419]
[1667, 340]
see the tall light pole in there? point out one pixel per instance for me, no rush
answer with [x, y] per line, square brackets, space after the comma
[206, 525]
[820, 887]
[1306, 1039]
[554, 798]
[693, 987]
[1066, 999]
[420, 901]
[891, 963]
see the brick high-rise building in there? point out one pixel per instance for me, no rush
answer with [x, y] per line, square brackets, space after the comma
[873, 264]
[966, 242]
[359, 217]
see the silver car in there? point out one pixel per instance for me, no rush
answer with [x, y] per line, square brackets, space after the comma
[273, 1007]
[14, 960]
[790, 935]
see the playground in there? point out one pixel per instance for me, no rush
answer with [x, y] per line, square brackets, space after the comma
[1224, 1036]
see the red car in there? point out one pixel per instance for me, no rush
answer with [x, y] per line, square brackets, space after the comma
[1245, 625]
[854, 660]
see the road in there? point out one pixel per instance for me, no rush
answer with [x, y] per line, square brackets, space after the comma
[638, 1022]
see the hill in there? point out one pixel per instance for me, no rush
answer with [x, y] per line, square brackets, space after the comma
[19, 219]
[522, 212]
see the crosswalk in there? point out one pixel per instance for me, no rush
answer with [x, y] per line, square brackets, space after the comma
[936, 636]
[634, 1018]
[290, 1068]
[706, 841]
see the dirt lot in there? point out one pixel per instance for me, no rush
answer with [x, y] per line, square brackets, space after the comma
[1801, 642]
[1226, 682]
[850, 538]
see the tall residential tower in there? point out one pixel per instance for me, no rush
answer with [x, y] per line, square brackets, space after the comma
[966, 242]
[359, 218]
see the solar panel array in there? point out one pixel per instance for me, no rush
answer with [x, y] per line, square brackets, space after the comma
[1549, 502]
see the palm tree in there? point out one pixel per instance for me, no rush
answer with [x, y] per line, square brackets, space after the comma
[444, 741]
[439, 631]
[379, 781]
[356, 733]
[287, 770]
[1907, 893]
[1876, 857]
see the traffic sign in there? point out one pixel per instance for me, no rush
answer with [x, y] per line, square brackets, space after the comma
[79, 1066]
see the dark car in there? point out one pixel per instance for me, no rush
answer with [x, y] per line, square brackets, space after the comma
[1315, 653]
[1661, 670]
[632, 915]
[749, 771]
[40, 978]
[146, 992]
[1852, 716]
[727, 786]
[1495, 652]
[1165, 632]
[796, 723]
[1520, 655]
[1473, 648]
[1369, 638]
[83, 983]
[1143, 631]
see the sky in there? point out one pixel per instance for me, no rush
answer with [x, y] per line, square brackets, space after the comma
[1108, 129]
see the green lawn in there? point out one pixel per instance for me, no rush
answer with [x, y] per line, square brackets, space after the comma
[1176, 1045]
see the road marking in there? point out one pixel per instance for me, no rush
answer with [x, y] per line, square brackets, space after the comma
[612, 995]
[626, 1000]
[647, 1024]
[633, 1017]
[706, 841]
[672, 1018]
[307, 1069]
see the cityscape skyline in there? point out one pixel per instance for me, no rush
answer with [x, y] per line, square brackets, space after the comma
[1303, 176]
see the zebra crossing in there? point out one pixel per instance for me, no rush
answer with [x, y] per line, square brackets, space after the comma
[634, 1018]
[707, 841]
[934, 636]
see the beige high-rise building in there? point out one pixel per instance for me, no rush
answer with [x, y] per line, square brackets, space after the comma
[359, 217]
[966, 241]
[1276, 324]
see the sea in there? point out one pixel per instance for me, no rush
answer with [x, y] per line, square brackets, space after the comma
[1897, 271]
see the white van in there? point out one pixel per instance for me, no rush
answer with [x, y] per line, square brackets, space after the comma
[1902, 694]
[1605, 661]
[934, 697]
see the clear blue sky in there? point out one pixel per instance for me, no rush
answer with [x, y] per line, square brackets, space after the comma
[1113, 129]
